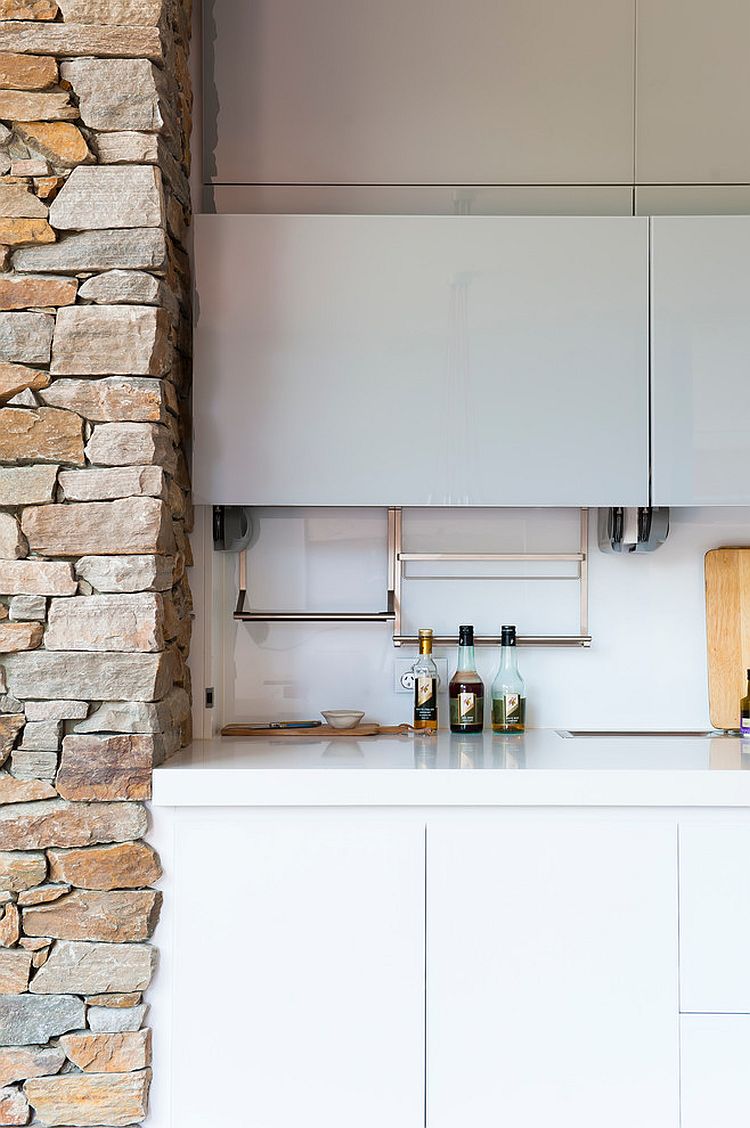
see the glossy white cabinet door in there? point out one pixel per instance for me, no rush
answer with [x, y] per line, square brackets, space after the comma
[552, 974]
[298, 971]
[700, 359]
[715, 1083]
[714, 918]
[421, 360]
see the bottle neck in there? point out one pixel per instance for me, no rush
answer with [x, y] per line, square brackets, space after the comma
[425, 646]
[508, 658]
[466, 659]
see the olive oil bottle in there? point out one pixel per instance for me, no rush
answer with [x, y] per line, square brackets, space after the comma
[508, 688]
[745, 711]
[425, 686]
[466, 689]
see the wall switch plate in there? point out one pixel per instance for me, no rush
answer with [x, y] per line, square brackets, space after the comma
[403, 682]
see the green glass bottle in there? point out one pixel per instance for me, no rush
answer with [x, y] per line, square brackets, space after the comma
[508, 688]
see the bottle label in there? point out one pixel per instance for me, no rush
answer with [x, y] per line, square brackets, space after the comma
[467, 709]
[745, 726]
[425, 699]
[509, 711]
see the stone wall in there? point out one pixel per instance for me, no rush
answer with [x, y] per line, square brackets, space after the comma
[94, 522]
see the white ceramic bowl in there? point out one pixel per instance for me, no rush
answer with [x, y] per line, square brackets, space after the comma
[342, 718]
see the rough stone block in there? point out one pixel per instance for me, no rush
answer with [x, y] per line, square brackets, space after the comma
[23, 105]
[18, 291]
[132, 444]
[27, 1020]
[106, 622]
[17, 1063]
[116, 398]
[28, 9]
[46, 435]
[41, 895]
[41, 736]
[90, 1098]
[134, 12]
[31, 233]
[103, 340]
[113, 917]
[122, 999]
[126, 865]
[26, 337]
[56, 710]
[110, 484]
[71, 39]
[115, 1020]
[138, 249]
[15, 378]
[59, 142]
[127, 147]
[131, 526]
[32, 764]
[58, 674]
[15, 969]
[138, 716]
[19, 636]
[116, 95]
[30, 166]
[23, 791]
[36, 577]
[10, 926]
[17, 202]
[14, 1107]
[87, 968]
[21, 869]
[109, 1053]
[52, 822]
[28, 608]
[10, 726]
[129, 287]
[27, 485]
[12, 544]
[99, 197]
[106, 767]
[27, 72]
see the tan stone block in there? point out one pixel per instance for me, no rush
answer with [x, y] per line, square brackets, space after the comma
[117, 1002]
[87, 968]
[36, 577]
[60, 142]
[128, 444]
[116, 398]
[135, 12]
[71, 39]
[20, 869]
[109, 196]
[28, 763]
[27, 485]
[14, 378]
[17, 291]
[18, 232]
[140, 248]
[106, 767]
[48, 823]
[116, 95]
[111, 340]
[127, 865]
[132, 287]
[28, 9]
[20, 636]
[23, 791]
[39, 736]
[112, 483]
[129, 526]
[56, 710]
[112, 917]
[41, 895]
[91, 677]
[15, 969]
[29, 167]
[87, 1099]
[10, 926]
[47, 187]
[29, 608]
[109, 1053]
[27, 72]
[12, 543]
[106, 623]
[17, 202]
[17, 1063]
[26, 337]
[14, 1107]
[127, 147]
[23, 105]
[46, 435]
[10, 726]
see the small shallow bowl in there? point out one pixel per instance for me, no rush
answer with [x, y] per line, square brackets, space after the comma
[342, 718]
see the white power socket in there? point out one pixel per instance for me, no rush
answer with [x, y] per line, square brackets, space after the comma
[403, 679]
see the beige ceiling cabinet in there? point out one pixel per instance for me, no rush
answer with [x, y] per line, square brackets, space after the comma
[693, 92]
[347, 92]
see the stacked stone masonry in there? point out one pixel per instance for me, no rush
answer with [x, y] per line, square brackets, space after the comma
[95, 515]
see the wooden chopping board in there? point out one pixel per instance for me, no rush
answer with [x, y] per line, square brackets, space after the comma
[727, 573]
[320, 732]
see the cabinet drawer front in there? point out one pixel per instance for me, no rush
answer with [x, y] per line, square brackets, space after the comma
[715, 1081]
[714, 918]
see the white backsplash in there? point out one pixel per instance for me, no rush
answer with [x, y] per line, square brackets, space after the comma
[645, 669]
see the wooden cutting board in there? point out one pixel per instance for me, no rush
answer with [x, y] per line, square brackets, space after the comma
[727, 572]
[320, 732]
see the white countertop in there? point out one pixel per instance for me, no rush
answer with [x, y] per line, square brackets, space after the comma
[541, 768]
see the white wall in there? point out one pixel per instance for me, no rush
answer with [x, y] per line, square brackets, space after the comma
[646, 667]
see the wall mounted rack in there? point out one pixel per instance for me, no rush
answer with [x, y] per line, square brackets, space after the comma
[398, 558]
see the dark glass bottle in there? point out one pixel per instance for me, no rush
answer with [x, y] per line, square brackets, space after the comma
[745, 710]
[508, 688]
[466, 689]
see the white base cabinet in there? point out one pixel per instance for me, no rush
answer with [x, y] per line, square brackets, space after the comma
[452, 967]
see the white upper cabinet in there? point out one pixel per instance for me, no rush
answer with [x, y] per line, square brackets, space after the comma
[350, 92]
[700, 360]
[391, 360]
[693, 92]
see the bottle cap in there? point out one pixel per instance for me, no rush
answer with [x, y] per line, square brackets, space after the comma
[508, 636]
[466, 636]
[425, 632]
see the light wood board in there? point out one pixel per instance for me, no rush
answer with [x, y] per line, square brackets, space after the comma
[319, 732]
[727, 573]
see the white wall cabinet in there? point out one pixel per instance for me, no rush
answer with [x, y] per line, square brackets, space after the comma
[552, 974]
[700, 359]
[394, 360]
[715, 1088]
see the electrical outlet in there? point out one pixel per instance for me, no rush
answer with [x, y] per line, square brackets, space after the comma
[403, 679]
